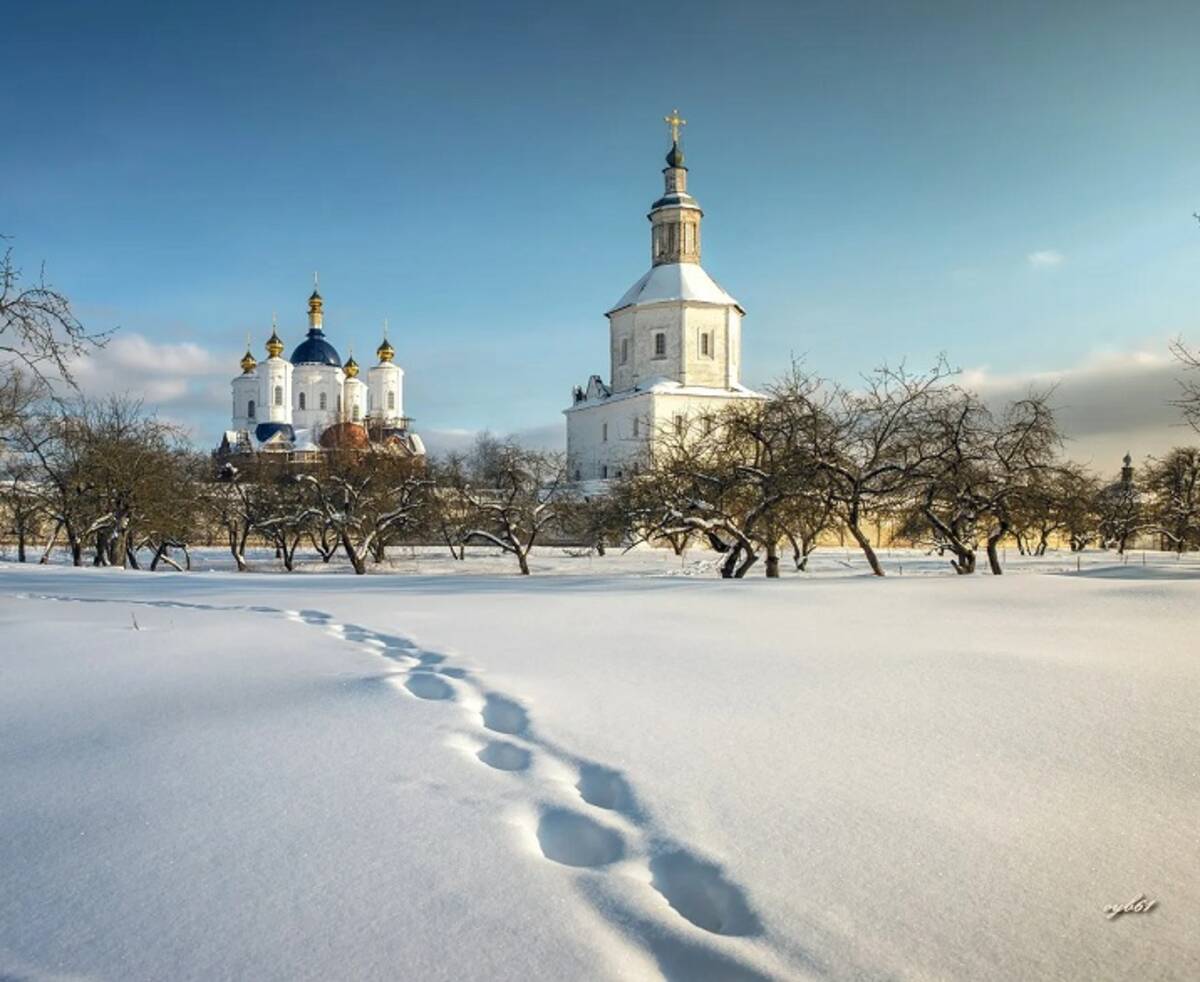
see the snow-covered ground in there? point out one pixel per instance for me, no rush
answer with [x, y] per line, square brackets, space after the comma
[606, 770]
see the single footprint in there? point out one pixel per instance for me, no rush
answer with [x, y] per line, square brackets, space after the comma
[504, 716]
[505, 756]
[605, 788]
[575, 840]
[699, 892]
[425, 686]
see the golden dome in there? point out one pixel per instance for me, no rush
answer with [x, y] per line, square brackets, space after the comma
[248, 362]
[315, 303]
[385, 351]
[351, 368]
[274, 345]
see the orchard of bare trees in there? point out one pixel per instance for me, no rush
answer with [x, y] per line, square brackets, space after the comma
[902, 459]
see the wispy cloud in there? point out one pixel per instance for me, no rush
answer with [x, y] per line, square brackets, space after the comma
[1107, 404]
[184, 382]
[1045, 258]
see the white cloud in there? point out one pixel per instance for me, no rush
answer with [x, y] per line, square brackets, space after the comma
[183, 381]
[1045, 258]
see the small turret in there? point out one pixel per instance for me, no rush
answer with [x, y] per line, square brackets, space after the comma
[351, 368]
[315, 307]
[248, 362]
[274, 344]
[385, 351]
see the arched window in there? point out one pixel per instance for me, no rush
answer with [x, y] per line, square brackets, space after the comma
[624, 350]
[339, 402]
[279, 395]
[355, 412]
[704, 344]
[323, 400]
[660, 345]
[391, 400]
[301, 400]
[604, 433]
[250, 409]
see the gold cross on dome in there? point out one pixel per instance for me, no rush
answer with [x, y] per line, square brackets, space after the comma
[674, 121]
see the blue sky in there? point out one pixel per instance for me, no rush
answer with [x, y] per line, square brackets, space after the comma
[1009, 183]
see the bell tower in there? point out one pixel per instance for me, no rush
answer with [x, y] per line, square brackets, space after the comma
[675, 217]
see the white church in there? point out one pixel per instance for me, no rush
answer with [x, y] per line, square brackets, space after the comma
[313, 402]
[675, 344]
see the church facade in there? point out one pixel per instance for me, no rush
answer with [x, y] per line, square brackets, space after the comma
[675, 345]
[314, 402]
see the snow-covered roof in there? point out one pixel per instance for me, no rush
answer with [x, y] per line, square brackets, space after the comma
[675, 281]
[659, 384]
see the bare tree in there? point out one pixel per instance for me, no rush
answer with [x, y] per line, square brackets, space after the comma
[20, 498]
[39, 332]
[868, 443]
[366, 496]
[515, 495]
[1173, 485]
[1189, 399]
[1121, 511]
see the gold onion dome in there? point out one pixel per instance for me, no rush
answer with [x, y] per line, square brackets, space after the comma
[385, 351]
[315, 303]
[248, 362]
[351, 367]
[274, 345]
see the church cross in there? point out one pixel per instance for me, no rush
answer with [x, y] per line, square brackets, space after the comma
[674, 121]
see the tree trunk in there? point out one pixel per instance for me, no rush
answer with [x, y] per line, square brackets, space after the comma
[730, 562]
[237, 547]
[750, 560]
[772, 559]
[993, 553]
[522, 561]
[21, 544]
[865, 544]
[50, 545]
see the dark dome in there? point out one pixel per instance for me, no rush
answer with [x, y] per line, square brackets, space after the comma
[675, 156]
[264, 431]
[315, 350]
[345, 436]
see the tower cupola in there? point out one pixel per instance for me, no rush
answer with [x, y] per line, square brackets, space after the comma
[675, 217]
[274, 344]
[385, 352]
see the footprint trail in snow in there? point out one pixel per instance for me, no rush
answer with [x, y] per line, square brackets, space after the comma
[602, 830]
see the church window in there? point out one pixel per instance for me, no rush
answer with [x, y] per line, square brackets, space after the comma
[705, 348]
[250, 409]
[624, 351]
[279, 395]
[604, 471]
[339, 409]
[391, 400]
[660, 345]
[355, 412]
[301, 400]
[604, 433]
[678, 425]
[637, 425]
[577, 473]
[324, 401]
